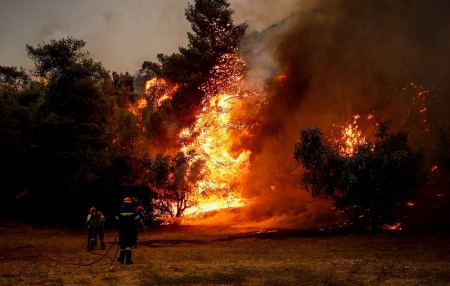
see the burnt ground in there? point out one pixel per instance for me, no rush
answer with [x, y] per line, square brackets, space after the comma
[220, 256]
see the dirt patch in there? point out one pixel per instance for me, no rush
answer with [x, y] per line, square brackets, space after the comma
[202, 256]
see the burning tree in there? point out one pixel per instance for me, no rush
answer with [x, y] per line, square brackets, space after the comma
[172, 179]
[190, 105]
[213, 35]
[367, 184]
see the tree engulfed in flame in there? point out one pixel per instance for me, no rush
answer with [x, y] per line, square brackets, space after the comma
[159, 90]
[137, 106]
[350, 137]
[214, 137]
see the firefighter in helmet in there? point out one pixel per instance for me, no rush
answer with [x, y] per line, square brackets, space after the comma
[128, 221]
[96, 227]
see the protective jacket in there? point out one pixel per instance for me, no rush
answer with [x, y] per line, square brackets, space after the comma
[96, 227]
[96, 220]
[128, 221]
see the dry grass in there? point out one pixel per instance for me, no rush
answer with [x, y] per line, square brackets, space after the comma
[201, 256]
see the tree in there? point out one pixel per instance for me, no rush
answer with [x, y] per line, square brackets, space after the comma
[66, 142]
[75, 108]
[71, 165]
[172, 179]
[123, 87]
[213, 35]
[368, 184]
[62, 60]
[20, 98]
[12, 79]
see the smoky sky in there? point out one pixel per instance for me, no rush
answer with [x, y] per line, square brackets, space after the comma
[120, 34]
[341, 58]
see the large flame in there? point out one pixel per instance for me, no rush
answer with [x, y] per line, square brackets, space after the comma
[350, 137]
[157, 90]
[215, 139]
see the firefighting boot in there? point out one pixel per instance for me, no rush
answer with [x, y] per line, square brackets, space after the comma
[121, 258]
[128, 254]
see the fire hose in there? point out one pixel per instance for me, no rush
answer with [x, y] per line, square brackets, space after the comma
[68, 263]
[103, 256]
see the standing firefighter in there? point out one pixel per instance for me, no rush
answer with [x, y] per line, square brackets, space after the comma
[96, 227]
[128, 226]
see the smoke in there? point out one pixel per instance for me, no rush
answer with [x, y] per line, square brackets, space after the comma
[120, 34]
[356, 56]
[259, 14]
[340, 58]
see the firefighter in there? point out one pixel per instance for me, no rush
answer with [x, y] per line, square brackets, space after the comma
[128, 221]
[96, 227]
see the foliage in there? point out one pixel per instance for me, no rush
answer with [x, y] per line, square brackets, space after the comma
[12, 79]
[62, 60]
[56, 146]
[213, 35]
[68, 142]
[367, 185]
[173, 178]
[123, 87]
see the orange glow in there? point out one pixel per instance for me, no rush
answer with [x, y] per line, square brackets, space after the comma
[214, 137]
[410, 204]
[212, 203]
[395, 226]
[213, 145]
[136, 108]
[434, 168]
[281, 77]
[159, 90]
[350, 137]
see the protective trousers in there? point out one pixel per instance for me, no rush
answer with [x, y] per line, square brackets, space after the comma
[92, 237]
[126, 242]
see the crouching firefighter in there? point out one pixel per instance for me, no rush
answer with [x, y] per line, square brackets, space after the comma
[128, 221]
[96, 227]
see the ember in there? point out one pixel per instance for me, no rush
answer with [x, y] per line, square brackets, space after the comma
[395, 226]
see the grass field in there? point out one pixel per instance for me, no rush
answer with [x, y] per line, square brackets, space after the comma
[215, 256]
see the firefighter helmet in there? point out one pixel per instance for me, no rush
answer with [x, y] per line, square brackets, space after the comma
[92, 210]
[127, 200]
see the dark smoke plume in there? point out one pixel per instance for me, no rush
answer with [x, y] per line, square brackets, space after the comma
[341, 58]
